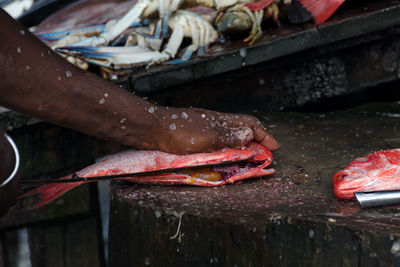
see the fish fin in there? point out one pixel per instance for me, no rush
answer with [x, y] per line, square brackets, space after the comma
[320, 10]
[45, 194]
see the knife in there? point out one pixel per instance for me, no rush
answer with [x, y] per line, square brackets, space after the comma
[378, 198]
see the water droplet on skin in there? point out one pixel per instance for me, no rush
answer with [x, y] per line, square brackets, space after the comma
[122, 120]
[59, 78]
[185, 116]
[22, 32]
[174, 116]
[192, 141]
[164, 118]
[105, 95]
[172, 127]
[123, 127]
[203, 115]
[102, 101]
[40, 107]
[19, 50]
[42, 54]
[151, 110]
[68, 74]
[27, 67]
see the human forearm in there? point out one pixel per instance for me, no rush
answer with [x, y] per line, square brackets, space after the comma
[40, 83]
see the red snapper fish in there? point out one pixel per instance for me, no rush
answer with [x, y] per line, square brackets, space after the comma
[246, 163]
[378, 171]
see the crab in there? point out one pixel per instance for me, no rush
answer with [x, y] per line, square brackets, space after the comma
[141, 10]
[183, 24]
[188, 24]
[247, 16]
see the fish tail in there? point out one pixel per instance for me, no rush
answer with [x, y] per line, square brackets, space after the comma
[319, 10]
[45, 194]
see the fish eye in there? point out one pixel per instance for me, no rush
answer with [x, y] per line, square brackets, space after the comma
[362, 159]
[366, 159]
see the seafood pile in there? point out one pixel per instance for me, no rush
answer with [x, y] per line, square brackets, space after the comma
[120, 35]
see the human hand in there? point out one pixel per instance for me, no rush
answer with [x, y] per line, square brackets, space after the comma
[191, 130]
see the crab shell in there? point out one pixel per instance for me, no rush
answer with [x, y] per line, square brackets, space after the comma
[253, 159]
[378, 171]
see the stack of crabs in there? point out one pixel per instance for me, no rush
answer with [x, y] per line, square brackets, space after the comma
[119, 35]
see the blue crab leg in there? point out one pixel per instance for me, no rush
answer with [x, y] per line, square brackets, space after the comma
[53, 36]
[132, 16]
[96, 29]
[115, 57]
[185, 57]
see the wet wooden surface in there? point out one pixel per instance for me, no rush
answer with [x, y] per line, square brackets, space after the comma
[290, 218]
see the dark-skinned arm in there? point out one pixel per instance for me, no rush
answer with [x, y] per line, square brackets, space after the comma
[38, 82]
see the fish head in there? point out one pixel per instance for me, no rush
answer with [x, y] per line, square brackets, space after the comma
[374, 172]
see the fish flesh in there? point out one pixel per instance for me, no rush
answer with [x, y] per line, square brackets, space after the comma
[378, 171]
[246, 163]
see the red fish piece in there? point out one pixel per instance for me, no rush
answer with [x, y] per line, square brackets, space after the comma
[258, 5]
[257, 157]
[321, 10]
[378, 171]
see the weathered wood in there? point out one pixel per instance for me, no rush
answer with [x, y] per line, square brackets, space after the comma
[2, 254]
[66, 244]
[296, 80]
[290, 218]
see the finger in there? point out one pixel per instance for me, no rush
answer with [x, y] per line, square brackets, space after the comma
[265, 138]
[261, 135]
